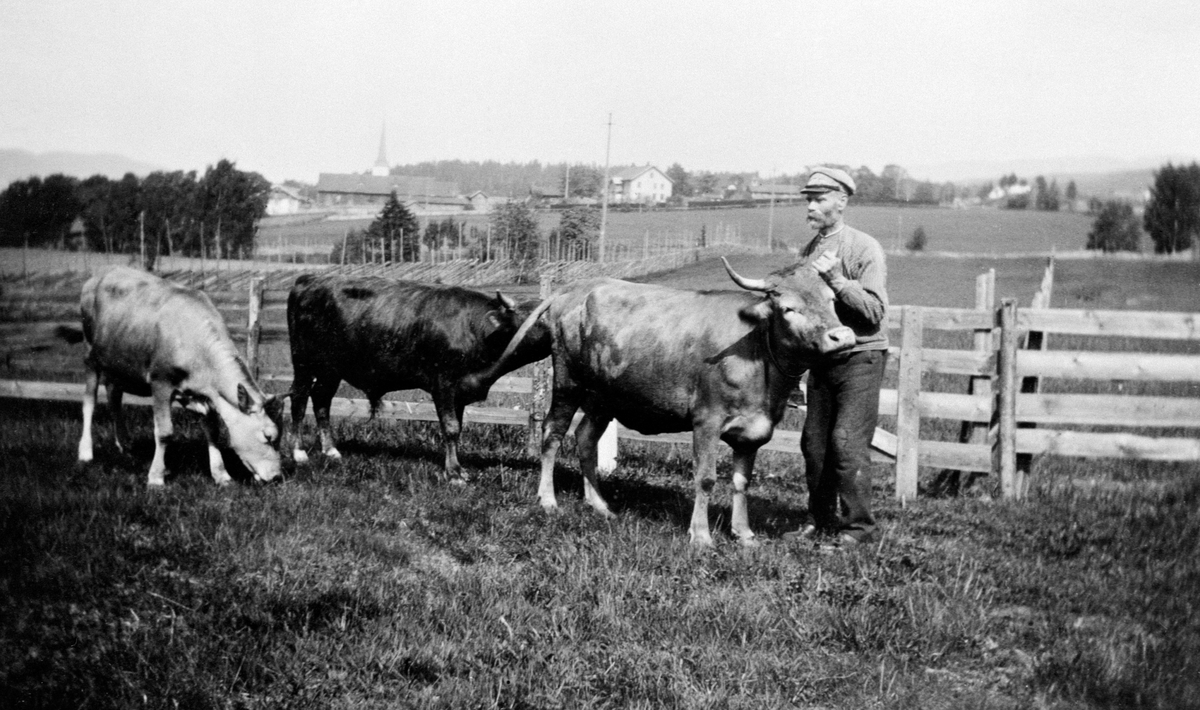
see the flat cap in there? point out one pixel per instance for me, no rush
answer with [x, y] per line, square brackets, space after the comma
[824, 179]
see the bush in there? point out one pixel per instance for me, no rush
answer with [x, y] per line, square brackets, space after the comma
[917, 241]
[1115, 228]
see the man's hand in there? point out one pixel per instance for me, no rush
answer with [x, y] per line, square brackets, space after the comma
[825, 263]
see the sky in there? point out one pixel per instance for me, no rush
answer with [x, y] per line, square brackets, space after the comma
[293, 89]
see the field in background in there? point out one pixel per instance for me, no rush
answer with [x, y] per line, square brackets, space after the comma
[983, 231]
[930, 280]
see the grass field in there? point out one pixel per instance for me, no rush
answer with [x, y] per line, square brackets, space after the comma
[981, 231]
[370, 584]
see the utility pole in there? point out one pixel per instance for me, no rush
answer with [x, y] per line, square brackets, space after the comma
[604, 193]
[771, 218]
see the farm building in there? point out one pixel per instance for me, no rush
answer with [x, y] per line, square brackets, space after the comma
[781, 193]
[374, 187]
[645, 184]
[341, 190]
[545, 195]
[284, 200]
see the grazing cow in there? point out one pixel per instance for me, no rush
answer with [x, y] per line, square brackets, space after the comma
[151, 337]
[382, 335]
[718, 363]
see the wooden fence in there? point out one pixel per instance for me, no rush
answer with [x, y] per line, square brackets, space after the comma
[991, 409]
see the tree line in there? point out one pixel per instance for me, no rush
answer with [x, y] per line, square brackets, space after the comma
[165, 213]
[1171, 217]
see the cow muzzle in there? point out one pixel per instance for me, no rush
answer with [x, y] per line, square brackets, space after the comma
[837, 339]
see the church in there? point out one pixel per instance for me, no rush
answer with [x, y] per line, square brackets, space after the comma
[342, 191]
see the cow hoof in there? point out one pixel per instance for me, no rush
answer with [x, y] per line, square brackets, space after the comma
[334, 454]
[223, 482]
[300, 456]
[749, 543]
[606, 514]
[155, 484]
[458, 481]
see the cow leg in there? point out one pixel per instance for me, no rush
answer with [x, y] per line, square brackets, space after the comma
[90, 386]
[558, 420]
[293, 440]
[160, 394]
[216, 462]
[704, 448]
[120, 432]
[322, 398]
[450, 413]
[743, 468]
[587, 438]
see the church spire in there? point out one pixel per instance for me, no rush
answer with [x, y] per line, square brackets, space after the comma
[381, 163]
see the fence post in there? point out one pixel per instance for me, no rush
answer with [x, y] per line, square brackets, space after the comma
[908, 413]
[1035, 340]
[1004, 451]
[254, 325]
[541, 382]
[952, 481]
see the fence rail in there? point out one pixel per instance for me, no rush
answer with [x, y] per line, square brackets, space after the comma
[993, 411]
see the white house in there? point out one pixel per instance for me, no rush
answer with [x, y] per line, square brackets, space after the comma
[646, 184]
[284, 200]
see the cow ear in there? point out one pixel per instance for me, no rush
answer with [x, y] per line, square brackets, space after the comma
[492, 323]
[757, 312]
[244, 402]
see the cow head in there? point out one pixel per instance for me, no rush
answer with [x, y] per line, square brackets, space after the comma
[799, 308]
[502, 320]
[253, 432]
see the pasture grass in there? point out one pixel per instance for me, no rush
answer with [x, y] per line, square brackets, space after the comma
[370, 583]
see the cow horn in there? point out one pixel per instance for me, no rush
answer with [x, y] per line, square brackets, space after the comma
[508, 302]
[748, 284]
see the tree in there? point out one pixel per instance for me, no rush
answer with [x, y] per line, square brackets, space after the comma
[169, 200]
[918, 240]
[705, 183]
[38, 212]
[585, 181]
[231, 202]
[396, 226]
[681, 181]
[1173, 213]
[577, 228]
[1115, 228]
[1072, 194]
[515, 230]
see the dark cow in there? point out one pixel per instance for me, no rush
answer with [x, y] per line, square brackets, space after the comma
[382, 335]
[718, 363]
[151, 337]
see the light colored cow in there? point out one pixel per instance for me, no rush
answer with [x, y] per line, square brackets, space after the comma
[151, 337]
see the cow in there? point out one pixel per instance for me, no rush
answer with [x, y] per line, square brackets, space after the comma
[382, 335]
[150, 337]
[720, 364]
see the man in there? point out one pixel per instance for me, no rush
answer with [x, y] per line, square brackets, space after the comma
[843, 390]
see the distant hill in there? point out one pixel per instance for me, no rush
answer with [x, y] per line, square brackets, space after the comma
[1094, 176]
[16, 164]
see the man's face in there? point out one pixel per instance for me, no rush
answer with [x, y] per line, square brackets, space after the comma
[825, 208]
